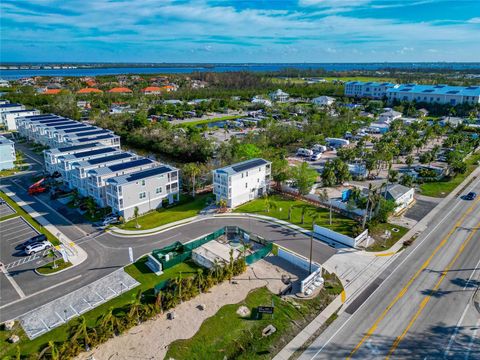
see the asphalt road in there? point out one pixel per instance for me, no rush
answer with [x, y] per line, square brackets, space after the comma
[421, 307]
[107, 252]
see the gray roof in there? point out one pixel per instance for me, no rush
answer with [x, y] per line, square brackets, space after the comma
[243, 166]
[143, 174]
[137, 163]
[4, 141]
[395, 191]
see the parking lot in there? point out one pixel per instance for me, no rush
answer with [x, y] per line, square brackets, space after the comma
[6, 210]
[14, 232]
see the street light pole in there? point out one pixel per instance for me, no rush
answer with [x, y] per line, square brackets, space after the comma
[311, 248]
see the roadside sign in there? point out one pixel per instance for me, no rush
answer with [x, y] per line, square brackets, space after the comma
[130, 254]
[265, 309]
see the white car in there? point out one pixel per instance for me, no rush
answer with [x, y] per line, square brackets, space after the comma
[35, 248]
[109, 220]
[316, 156]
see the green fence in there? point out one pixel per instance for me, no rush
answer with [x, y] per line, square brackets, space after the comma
[176, 253]
[259, 254]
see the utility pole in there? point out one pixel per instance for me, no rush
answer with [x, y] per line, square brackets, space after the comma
[330, 212]
[311, 249]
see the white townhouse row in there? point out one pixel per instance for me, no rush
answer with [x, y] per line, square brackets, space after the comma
[90, 160]
[7, 153]
[440, 94]
[92, 168]
[242, 182]
[371, 89]
[56, 131]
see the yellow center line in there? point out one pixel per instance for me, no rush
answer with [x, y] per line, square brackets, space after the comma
[412, 279]
[432, 292]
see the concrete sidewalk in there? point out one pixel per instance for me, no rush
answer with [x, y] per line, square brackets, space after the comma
[75, 253]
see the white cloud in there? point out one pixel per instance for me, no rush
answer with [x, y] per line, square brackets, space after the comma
[185, 27]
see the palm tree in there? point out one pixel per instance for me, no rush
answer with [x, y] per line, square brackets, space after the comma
[222, 203]
[91, 206]
[51, 347]
[80, 331]
[51, 254]
[110, 324]
[199, 279]
[192, 170]
[135, 215]
[304, 211]
[135, 306]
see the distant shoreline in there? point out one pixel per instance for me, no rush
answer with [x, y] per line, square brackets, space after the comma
[105, 69]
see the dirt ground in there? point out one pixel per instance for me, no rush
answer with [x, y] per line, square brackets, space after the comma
[150, 340]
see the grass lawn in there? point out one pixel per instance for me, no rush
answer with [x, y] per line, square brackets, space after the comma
[378, 230]
[207, 121]
[280, 206]
[186, 208]
[137, 270]
[28, 218]
[49, 269]
[227, 335]
[444, 187]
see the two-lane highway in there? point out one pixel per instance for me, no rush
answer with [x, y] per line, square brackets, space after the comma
[423, 307]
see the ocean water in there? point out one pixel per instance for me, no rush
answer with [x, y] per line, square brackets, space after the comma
[17, 74]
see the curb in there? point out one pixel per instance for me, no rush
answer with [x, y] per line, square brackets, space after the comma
[56, 272]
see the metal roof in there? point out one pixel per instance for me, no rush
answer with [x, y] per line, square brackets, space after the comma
[109, 136]
[75, 147]
[93, 152]
[437, 89]
[243, 166]
[9, 105]
[86, 128]
[124, 179]
[122, 166]
[106, 159]
[90, 133]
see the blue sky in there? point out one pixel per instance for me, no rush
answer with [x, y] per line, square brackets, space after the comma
[240, 31]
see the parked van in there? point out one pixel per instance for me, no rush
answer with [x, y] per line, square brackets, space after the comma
[319, 148]
[304, 152]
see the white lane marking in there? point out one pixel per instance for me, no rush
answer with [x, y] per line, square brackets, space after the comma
[455, 332]
[32, 158]
[41, 291]
[460, 321]
[474, 335]
[14, 283]
[391, 274]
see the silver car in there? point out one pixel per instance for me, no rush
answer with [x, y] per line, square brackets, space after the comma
[35, 248]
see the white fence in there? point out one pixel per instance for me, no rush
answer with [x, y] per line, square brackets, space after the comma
[297, 260]
[305, 284]
[332, 237]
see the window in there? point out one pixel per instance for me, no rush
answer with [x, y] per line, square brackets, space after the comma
[120, 203]
[143, 182]
[246, 185]
[158, 190]
[142, 195]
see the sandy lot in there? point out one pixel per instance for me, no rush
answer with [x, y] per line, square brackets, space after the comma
[151, 339]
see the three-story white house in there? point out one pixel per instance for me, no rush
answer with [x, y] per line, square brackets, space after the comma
[97, 178]
[242, 182]
[7, 153]
[147, 190]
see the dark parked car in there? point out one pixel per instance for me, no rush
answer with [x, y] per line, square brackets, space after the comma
[32, 241]
[470, 196]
